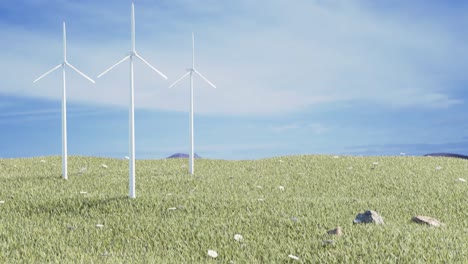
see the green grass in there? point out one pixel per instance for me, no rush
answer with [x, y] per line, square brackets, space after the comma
[45, 218]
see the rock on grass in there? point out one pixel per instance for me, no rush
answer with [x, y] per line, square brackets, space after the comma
[337, 231]
[420, 219]
[368, 216]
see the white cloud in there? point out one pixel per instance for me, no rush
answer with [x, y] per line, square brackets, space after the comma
[264, 59]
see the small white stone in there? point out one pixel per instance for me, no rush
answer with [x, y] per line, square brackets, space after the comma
[281, 188]
[100, 225]
[461, 179]
[293, 257]
[238, 237]
[375, 163]
[104, 166]
[438, 168]
[212, 253]
[172, 208]
[83, 192]
[260, 187]
[2, 202]
[261, 199]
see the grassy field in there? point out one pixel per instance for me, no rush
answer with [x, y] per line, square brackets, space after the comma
[177, 218]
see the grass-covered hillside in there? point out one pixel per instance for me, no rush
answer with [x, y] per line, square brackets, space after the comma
[177, 218]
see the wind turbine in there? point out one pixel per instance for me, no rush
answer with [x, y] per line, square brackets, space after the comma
[191, 71]
[133, 54]
[64, 99]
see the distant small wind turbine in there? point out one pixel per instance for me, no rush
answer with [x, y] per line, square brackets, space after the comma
[130, 57]
[191, 71]
[64, 99]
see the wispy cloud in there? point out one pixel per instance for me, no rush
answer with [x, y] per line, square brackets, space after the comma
[42, 114]
[316, 128]
[30, 113]
[265, 58]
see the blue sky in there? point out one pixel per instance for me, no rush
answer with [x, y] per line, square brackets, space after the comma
[345, 77]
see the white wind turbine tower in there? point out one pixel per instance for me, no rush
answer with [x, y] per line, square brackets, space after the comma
[191, 71]
[131, 124]
[64, 99]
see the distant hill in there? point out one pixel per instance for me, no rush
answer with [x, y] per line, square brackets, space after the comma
[182, 156]
[450, 155]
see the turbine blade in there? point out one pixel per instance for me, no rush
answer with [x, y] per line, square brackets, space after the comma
[180, 79]
[113, 66]
[193, 51]
[45, 74]
[206, 80]
[64, 42]
[133, 27]
[149, 65]
[82, 74]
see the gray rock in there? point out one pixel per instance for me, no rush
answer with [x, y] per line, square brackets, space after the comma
[420, 219]
[337, 231]
[368, 217]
